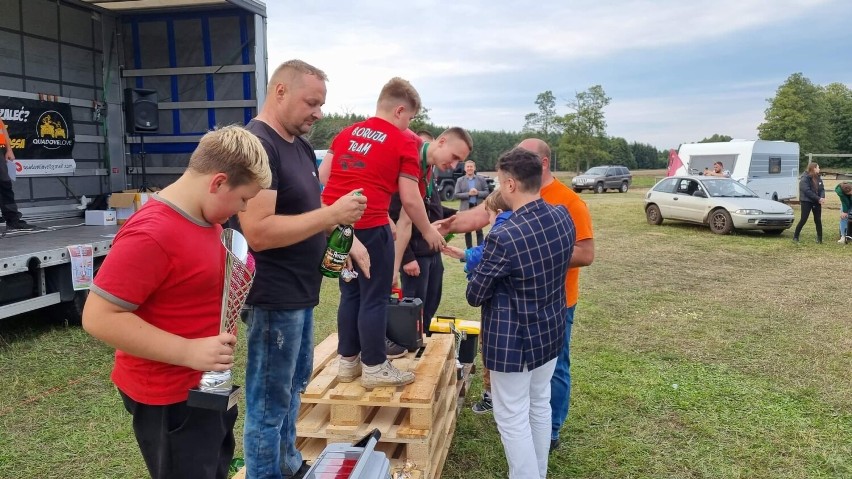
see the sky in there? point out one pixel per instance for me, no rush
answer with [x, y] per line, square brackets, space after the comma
[676, 71]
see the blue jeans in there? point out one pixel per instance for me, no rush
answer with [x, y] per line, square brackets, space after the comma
[280, 360]
[560, 383]
[844, 225]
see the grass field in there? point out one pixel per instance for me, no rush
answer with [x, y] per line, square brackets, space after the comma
[694, 356]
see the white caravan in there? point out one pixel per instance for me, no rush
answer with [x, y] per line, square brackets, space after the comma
[769, 168]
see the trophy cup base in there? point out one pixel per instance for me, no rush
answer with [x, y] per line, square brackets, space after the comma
[215, 401]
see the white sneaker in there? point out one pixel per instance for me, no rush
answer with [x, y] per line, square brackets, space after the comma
[385, 374]
[348, 371]
[842, 240]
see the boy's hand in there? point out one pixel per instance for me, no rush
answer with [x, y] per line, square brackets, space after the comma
[453, 252]
[349, 208]
[434, 238]
[412, 268]
[359, 255]
[214, 353]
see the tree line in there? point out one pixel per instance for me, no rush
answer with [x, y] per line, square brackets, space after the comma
[818, 118]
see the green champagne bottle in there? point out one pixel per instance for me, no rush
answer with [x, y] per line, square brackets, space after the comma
[337, 250]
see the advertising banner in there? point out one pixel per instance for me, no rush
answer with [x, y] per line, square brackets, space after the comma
[38, 130]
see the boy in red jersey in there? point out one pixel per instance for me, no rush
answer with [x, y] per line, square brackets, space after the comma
[377, 156]
[157, 300]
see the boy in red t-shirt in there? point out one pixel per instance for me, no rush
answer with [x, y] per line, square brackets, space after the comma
[157, 300]
[377, 156]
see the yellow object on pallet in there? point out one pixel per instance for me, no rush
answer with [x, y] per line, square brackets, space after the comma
[441, 324]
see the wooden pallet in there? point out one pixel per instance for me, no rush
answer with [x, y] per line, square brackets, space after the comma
[417, 421]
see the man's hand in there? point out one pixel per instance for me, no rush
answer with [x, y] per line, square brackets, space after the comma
[444, 226]
[359, 255]
[821, 200]
[393, 228]
[844, 215]
[349, 208]
[433, 238]
[9, 155]
[412, 268]
[473, 192]
[214, 353]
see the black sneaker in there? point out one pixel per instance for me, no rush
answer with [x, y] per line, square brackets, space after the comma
[21, 225]
[394, 350]
[484, 405]
[554, 444]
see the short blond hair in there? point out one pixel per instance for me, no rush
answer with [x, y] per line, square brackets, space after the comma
[286, 73]
[459, 133]
[397, 91]
[234, 151]
[495, 202]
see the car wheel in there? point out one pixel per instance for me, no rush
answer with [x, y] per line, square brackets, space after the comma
[720, 222]
[624, 187]
[652, 212]
[447, 192]
[773, 232]
[599, 188]
[578, 190]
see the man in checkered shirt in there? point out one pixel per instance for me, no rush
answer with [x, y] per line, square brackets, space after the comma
[520, 285]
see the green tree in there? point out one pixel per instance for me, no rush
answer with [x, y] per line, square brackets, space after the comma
[328, 127]
[545, 121]
[583, 142]
[839, 99]
[647, 156]
[716, 138]
[421, 121]
[620, 152]
[799, 112]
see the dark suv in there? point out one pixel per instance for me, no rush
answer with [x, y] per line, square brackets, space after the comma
[602, 178]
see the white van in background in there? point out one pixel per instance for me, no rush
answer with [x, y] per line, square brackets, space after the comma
[769, 168]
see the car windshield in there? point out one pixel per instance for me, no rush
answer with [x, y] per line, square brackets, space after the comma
[727, 188]
[596, 171]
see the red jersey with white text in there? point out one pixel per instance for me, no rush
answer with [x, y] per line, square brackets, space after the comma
[167, 268]
[372, 155]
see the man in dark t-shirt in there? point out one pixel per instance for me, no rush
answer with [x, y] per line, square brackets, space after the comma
[285, 226]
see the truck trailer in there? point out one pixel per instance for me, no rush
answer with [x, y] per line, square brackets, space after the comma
[102, 97]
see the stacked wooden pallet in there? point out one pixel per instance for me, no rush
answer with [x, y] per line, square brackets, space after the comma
[417, 421]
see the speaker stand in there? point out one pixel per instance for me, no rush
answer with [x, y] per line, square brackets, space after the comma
[143, 188]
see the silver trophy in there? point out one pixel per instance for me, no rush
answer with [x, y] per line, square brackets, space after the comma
[216, 389]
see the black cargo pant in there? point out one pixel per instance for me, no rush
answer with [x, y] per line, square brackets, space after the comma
[7, 194]
[428, 286]
[182, 442]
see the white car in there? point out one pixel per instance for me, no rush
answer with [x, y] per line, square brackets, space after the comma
[721, 203]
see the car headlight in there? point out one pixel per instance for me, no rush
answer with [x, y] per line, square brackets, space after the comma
[789, 211]
[748, 212]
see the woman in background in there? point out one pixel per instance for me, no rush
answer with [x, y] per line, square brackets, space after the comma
[811, 198]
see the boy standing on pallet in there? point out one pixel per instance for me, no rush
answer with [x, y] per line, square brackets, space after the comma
[375, 155]
[520, 285]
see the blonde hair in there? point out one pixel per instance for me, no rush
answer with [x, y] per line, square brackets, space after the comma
[234, 151]
[461, 134]
[495, 202]
[286, 73]
[397, 91]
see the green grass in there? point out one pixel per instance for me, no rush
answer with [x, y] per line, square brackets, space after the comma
[754, 332]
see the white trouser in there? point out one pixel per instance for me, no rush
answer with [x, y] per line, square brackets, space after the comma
[522, 412]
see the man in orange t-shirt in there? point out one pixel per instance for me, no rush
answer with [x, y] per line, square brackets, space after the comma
[553, 192]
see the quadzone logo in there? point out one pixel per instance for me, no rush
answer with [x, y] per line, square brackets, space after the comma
[51, 131]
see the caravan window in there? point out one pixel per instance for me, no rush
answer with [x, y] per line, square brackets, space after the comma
[774, 166]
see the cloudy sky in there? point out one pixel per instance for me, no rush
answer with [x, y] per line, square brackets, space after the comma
[676, 71]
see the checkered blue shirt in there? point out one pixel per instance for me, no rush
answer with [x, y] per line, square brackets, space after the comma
[520, 285]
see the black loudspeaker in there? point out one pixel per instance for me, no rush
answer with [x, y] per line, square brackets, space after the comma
[140, 109]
